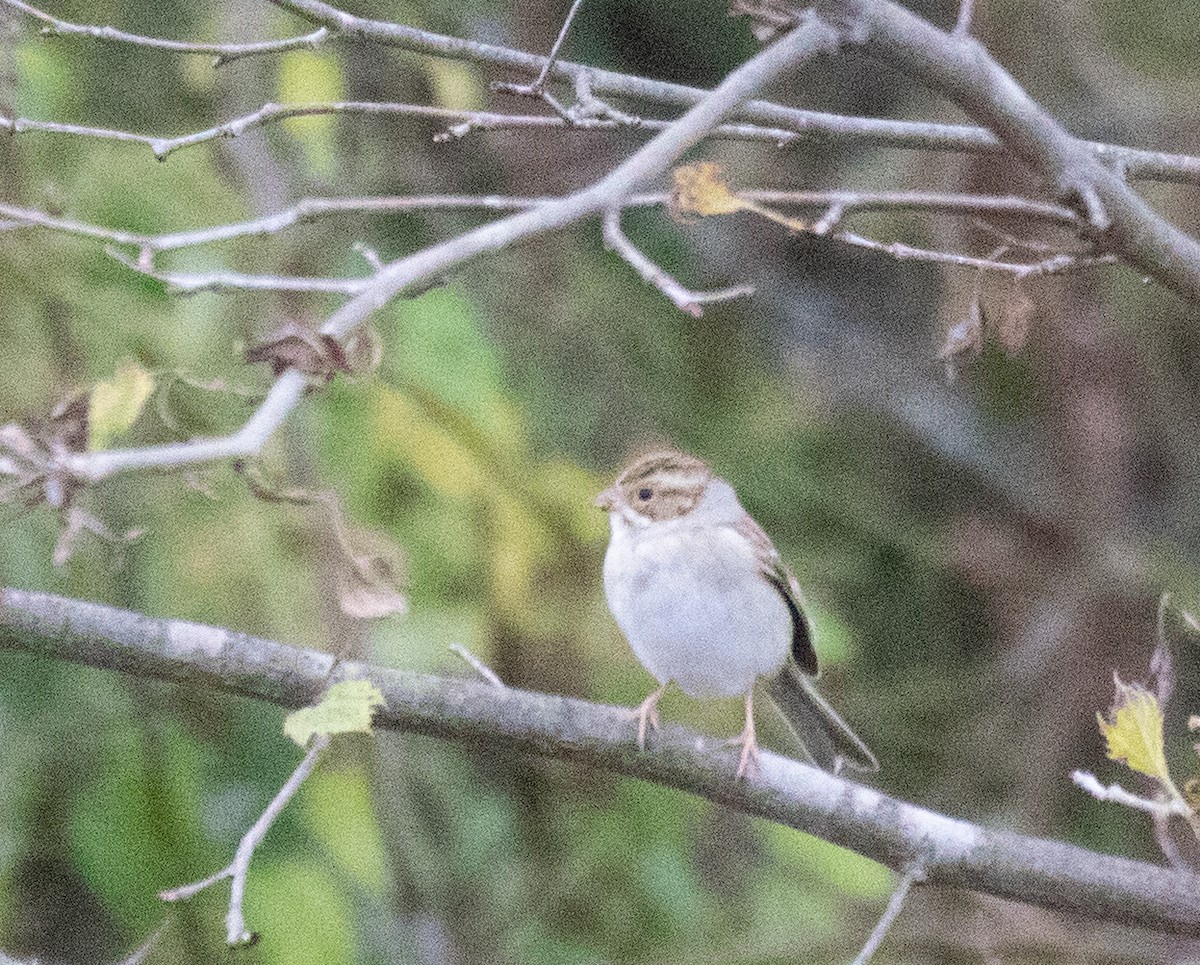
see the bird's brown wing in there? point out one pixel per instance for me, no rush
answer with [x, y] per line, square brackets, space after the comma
[777, 573]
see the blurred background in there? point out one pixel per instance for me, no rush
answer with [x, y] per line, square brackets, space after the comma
[981, 552]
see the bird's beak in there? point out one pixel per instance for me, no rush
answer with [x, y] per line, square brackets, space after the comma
[605, 499]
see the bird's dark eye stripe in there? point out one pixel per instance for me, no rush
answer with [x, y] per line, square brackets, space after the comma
[644, 494]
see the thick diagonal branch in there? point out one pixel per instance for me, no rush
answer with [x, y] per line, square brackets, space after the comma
[804, 43]
[901, 835]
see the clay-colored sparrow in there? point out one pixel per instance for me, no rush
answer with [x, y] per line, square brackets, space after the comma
[705, 601]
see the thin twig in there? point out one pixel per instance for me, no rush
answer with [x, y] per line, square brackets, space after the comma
[138, 955]
[310, 209]
[235, 921]
[588, 106]
[481, 668]
[1055, 265]
[912, 876]
[681, 297]
[224, 53]
[538, 87]
[1114, 793]
[1162, 665]
[462, 123]
[216, 281]
[1166, 843]
[966, 10]
[558, 42]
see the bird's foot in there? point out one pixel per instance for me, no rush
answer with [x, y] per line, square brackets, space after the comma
[647, 715]
[748, 761]
[747, 740]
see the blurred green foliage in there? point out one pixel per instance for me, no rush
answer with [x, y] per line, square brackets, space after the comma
[504, 401]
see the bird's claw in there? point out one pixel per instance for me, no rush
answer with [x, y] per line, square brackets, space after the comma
[647, 714]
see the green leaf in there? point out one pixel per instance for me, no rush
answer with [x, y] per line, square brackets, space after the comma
[115, 405]
[1134, 730]
[346, 707]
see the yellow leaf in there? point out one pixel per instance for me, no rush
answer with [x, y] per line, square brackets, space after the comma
[701, 189]
[115, 405]
[348, 706]
[1134, 730]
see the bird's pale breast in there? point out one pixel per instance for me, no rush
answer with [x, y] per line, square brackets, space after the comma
[694, 607]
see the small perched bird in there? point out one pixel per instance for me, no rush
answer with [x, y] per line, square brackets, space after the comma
[705, 601]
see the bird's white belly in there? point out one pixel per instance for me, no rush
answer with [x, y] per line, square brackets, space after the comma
[695, 609]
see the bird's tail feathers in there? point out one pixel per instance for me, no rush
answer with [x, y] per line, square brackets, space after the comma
[822, 733]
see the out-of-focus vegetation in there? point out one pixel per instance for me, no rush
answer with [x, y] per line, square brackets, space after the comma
[979, 555]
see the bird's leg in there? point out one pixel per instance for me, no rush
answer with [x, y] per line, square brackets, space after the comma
[747, 741]
[647, 713]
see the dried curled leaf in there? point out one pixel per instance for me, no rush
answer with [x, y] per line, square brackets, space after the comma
[115, 404]
[1134, 730]
[370, 566]
[370, 573]
[31, 465]
[292, 346]
[347, 707]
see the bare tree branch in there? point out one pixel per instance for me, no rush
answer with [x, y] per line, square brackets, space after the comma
[802, 44]
[682, 298]
[224, 53]
[1136, 163]
[461, 124]
[949, 852]
[1057, 264]
[189, 283]
[794, 122]
[538, 87]
[962, 69]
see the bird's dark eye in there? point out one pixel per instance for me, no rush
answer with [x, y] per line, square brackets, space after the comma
[644, 494]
